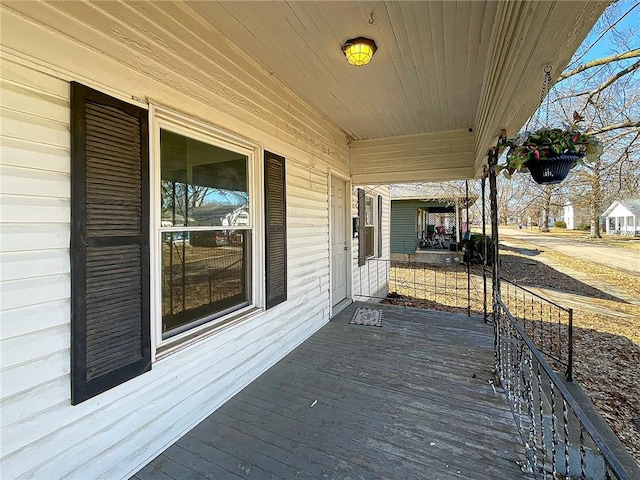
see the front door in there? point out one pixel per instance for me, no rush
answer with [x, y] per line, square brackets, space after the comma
[339, 239]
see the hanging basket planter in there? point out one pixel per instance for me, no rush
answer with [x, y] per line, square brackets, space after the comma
[548, 153]
[553, 169]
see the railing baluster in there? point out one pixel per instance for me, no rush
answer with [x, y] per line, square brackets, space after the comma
[547, 437]
[541, 417]
[583, 461]
[554, 432]
[565, 430]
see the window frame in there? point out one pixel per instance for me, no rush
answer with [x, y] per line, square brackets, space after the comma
[165, 119]
[370, 227]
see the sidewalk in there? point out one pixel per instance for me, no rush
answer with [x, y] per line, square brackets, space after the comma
[567, 299]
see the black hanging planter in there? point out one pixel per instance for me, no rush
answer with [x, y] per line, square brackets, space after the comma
[553, 169]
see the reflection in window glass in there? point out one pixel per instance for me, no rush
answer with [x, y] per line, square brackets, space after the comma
[205, 262]
[202, 185]
[368, 210]
[203, 273]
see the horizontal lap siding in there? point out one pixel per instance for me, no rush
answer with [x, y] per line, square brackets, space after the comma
[372, 277]
[43, 436]
[308, 233]
[404, 226]
[34, 244]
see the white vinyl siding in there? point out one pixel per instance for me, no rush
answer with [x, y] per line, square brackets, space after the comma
[115, 433]
[372, 278]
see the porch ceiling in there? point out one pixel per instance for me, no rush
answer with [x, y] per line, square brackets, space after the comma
[447, 77]
[441, 66]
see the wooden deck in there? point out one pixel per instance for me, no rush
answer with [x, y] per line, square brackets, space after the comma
[411, 400]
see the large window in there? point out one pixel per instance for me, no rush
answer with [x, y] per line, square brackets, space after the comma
[206, 231]
[209, 257]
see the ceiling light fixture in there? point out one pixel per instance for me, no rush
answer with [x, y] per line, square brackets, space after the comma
[359, 51]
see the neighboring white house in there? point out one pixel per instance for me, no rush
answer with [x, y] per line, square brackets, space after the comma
[569, 216]
[117, 335]
[576, 217]
[623, 217]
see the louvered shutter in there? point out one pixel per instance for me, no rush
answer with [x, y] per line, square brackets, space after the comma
[362, 255]
[110, 330]
[276, 228]
[379, 225]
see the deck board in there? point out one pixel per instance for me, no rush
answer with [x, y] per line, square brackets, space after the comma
[411, 400]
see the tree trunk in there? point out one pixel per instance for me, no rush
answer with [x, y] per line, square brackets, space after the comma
[545, 209]
[595, 202]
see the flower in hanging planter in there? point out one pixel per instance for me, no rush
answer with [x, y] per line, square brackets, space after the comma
[549, 144]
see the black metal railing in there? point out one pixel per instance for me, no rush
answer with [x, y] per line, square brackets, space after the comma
[454, 287]
[449, 287]
[560, 441]
[548, 325]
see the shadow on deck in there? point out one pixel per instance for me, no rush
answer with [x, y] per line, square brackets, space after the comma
[411, 400]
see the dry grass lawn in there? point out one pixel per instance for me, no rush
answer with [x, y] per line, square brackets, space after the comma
[606, 337]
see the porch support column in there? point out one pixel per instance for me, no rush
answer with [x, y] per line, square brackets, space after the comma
[466, 199]
[484, 245]
[493, 199]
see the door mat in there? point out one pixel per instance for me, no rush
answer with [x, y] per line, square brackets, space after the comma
[367, 316]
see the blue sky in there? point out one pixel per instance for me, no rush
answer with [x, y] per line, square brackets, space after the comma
[607, 44]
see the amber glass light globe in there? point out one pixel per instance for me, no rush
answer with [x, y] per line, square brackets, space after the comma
[359, 51]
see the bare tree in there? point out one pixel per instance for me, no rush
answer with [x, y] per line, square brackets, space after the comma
[605, 91]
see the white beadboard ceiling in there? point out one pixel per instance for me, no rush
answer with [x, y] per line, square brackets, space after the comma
[440, 66]
[426, 75]
[447, 77]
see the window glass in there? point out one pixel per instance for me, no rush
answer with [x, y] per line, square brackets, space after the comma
[202, 185]
[368, 210]
[206, 266]
[369, 229]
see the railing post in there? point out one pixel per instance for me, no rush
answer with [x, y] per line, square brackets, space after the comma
[570, 353]
[493, 199]
[466, 188]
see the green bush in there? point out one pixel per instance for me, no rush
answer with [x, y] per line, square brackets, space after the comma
[560, 224]
[474, 252]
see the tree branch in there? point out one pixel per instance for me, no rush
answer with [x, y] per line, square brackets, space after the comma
[620, 74]
[600, 61]
[615, 126]
[606, 30]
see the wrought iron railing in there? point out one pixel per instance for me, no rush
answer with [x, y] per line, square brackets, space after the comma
[455, 287]
[560, 441]
[449, 287]
[548, 325]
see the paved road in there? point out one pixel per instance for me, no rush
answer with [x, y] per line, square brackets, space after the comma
[612, 256]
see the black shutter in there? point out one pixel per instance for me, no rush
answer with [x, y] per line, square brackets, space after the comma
[276, 228]
[110, 330]
[379, 226]
[362, 255]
